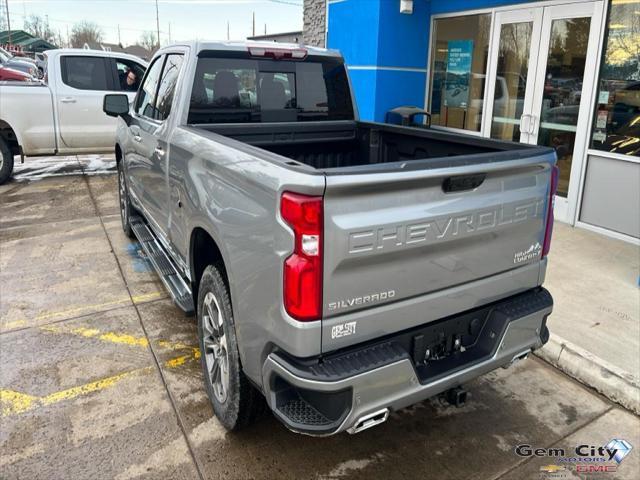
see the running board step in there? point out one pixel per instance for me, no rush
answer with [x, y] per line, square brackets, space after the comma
[169, 274]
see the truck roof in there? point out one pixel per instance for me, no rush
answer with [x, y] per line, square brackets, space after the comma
[93, 53]
[242, 46]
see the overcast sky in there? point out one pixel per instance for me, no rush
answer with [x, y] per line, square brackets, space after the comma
[190, 19]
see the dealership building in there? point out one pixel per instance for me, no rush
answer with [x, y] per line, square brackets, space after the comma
[561, 73]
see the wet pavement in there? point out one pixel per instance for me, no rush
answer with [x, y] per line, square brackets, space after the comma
[100, 376]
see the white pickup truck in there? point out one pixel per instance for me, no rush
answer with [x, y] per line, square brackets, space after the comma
[63, 115]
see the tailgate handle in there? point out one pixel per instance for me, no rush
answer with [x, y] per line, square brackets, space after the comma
[463, 182]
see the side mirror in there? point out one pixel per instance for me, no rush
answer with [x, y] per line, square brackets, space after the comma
[116, 105]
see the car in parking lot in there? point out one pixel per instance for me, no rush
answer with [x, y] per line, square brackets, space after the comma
[9, 74]
[64, 115]
[341, 269]
[16, 63]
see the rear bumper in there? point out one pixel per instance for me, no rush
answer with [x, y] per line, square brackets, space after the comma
[328, 395]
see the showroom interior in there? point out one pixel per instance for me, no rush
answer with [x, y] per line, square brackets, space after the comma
[561, 73]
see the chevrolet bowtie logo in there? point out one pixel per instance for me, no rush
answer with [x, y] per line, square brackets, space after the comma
[552, 468]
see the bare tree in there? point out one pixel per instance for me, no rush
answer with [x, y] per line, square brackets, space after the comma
[85, 32]
[148, 41]
[39, 27]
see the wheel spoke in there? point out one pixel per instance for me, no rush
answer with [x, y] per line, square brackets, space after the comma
[215, 371]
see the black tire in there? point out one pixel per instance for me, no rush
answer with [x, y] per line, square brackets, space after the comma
[6, 162]
[126, 209]
[242, 404]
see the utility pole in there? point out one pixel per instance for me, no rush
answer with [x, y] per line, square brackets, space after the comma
[228, 38]
[169, 32]
[265, 28]
[254, 25]
[158, 23]
[119, 41]
[6, 3]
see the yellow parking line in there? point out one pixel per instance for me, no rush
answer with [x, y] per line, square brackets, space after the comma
[16, 402]
[85, 308]
[111, 337]
[121, 338]
[90, 387]
[12, 402]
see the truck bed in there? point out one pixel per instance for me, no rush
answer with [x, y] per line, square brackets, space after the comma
[336, 147]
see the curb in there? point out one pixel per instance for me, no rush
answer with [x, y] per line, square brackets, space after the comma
[609, 380]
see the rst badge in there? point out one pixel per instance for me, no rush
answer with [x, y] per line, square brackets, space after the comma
[343, 330]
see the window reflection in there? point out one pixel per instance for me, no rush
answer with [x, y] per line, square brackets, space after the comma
[511, 80]
[460, 53]
[616, 126]
[562, 92]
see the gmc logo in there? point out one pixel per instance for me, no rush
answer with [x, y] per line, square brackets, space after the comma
[402, 235]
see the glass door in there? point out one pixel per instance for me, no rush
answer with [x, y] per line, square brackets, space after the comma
[512, 67]
[540, 86]
[563, 93]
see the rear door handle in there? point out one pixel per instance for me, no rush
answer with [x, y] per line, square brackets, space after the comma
[68, 100]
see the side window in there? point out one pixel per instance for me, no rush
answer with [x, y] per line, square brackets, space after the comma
[129, 74]
[85, 72]
[168, 85]
[145, 104]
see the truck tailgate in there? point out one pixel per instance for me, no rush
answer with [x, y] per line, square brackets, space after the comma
[401, 245]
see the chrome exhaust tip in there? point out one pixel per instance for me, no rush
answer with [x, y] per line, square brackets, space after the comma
[516, 358]
[370, 420]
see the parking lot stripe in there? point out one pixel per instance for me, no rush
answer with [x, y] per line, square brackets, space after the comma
[121, 338]
[13, 402]
[77, 311]
[112, 337]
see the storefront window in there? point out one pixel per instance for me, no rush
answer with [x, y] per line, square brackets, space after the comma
[459, 65]
[616, 125]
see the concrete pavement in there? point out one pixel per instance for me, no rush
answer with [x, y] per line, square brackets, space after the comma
[595, 323]
[100, 377]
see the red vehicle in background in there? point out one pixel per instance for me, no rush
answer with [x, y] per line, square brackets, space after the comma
[15, 75]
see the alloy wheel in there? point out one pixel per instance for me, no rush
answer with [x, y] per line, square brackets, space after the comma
[215, 347]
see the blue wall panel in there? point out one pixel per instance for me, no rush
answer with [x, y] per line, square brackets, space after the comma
[395, 88]
[403, 39]
[353, 29]
[363, 83]
[448, 6]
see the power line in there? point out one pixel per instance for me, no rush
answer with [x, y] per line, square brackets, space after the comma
[108, 27]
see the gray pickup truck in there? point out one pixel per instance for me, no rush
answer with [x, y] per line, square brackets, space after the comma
[340, 269]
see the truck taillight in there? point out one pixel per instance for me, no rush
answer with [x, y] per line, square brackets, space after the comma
[303, 268]
[546, 246]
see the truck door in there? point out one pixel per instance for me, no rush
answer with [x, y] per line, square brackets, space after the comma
[150, 129]
[82, 83]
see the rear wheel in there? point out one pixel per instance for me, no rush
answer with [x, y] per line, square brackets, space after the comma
[6, 162]
[235, 401]
[125, 203]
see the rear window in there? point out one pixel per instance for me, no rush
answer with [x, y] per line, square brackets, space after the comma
[85, 72]
[248, 90]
